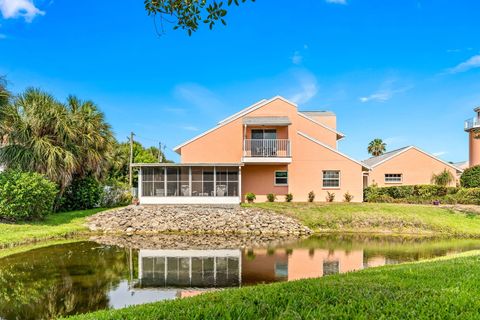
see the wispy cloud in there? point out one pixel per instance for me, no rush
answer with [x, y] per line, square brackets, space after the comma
[472, 63]
[297, 58]
[189, 128]
[177, 111]
[385, 92]
[337, 1]
[3, 36]
[199, 97]
[308, 87]
[439, 153]
[12, 9]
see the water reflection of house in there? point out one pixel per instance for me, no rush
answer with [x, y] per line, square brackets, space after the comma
[189, 268]
[279, 265]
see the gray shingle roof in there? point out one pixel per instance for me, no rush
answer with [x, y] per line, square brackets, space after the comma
[375, 160]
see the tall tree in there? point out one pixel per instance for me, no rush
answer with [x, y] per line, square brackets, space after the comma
[187, 15]
[376, 147]
[62, 141]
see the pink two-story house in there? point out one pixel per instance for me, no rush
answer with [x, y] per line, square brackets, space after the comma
[268, 147]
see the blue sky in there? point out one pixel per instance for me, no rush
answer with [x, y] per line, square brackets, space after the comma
[405, 71]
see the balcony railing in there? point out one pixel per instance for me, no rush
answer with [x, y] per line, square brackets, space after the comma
[472, 123]
[266, 148]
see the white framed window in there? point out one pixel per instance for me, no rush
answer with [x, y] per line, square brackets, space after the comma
[281, 178]
[331, 179]
[393, 178]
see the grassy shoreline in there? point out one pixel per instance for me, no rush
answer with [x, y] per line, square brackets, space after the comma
[379, 218]
[54, 226]
[441, 288]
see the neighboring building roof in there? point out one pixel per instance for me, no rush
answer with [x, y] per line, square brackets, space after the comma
[375, 161]
[332, 149]
[318, 113]
[462, 165]
[267, 121]
[249, 109]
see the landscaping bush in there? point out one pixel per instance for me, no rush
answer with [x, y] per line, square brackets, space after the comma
[288, 197]
[422, 194]
[250, 196]
[84, 193]
[311, 196]
[470, 177]
[347, 197]
[25, 195]
[271, 197]
[330, 196]
[115, 194]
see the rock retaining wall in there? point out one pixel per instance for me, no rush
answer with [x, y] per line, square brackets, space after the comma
[194, 220]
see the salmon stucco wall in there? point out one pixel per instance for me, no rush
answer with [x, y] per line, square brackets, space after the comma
[260, 179]
[309, 160]
[416, 168]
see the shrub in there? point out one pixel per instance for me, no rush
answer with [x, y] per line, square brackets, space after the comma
[330, 196]
[470, 177]
[271, 197]
[288, 197]
[347, 197]
[25, 195]
[311, 196]
[115, 194]
[443, 178]
[250, 197]
[84, 193]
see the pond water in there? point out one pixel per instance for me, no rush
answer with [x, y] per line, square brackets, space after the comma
[84, 276]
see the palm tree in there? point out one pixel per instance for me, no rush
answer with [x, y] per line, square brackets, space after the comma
[376, 147]
[62, 141]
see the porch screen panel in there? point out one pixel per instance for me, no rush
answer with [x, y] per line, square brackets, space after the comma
[173, 188]
[184, 181]
[208, 188]
[153, 182]
[227, 182]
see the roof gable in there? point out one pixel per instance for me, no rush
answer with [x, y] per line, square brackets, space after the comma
[236, 116]
[332, 149]
[376, 161]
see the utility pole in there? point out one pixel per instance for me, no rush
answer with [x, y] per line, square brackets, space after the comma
[131, 160]
[159, 152]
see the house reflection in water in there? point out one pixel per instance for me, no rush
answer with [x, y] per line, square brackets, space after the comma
[190, 272]
[189, 268]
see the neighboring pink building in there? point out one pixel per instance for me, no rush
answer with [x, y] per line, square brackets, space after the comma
[268, 147]
[406, 166]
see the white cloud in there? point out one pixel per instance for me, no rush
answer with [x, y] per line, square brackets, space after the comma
[308, 87]
[472, 63]
[337, 1]
[189, 128]
[297, 58]
[199, 97]
[439, 153]
[385, 92]
[3, 36]
[11, 9]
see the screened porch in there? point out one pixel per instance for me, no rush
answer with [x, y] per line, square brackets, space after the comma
[179, 183]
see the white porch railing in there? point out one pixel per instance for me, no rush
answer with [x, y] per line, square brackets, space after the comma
[266, 148]
[472, 123]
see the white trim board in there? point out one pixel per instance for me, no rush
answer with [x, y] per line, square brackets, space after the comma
[332, 149]
[189, 200]
[419, 150]
[237, 115]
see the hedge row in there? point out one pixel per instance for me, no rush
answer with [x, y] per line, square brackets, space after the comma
[422, 194]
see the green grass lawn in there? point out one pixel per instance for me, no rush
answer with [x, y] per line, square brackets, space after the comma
[446, 288]
[379, 218]
[53, 226]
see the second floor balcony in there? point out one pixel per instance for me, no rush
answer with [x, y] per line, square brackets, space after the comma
[266, 151]
[472, 123]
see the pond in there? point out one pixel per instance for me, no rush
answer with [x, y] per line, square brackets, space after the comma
[83, 276]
